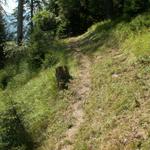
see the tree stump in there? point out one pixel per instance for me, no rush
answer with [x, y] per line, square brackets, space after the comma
[63, 77]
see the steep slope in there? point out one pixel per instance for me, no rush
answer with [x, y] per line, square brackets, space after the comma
[108, 101]
[117, 109]
[79, 90]
[114, 90]
[34, 97]
[112, 93]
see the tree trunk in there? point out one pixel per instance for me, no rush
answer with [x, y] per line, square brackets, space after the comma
[32, 9]
[20, 22]
[2, 40]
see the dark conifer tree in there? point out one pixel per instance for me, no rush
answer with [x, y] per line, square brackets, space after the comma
[20, 21]
[2, 40]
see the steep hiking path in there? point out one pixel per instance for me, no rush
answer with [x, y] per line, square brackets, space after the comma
[80, 87]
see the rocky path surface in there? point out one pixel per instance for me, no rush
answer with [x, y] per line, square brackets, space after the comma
[81, 89]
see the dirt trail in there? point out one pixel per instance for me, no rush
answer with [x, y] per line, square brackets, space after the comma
[81, 89]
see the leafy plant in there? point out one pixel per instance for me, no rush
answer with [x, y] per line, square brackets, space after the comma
[49, 60]
[4, 79]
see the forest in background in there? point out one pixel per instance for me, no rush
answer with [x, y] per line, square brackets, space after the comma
[40, 20]
[29, 55]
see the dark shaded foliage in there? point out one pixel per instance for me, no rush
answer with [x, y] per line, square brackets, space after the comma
[14, 135]
[77, 15]
[2, 40]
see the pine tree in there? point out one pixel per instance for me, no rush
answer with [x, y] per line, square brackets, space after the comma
[20, 22]
[2, 40]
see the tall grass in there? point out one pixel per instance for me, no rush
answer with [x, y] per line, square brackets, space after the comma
[118, 106]
[35, 95]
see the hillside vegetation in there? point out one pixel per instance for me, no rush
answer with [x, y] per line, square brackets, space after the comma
[116, 111]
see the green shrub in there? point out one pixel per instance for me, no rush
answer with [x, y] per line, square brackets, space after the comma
[45, 20]
[14, 136]
[50, 60]
[140, 22]
[4, 79]
[14, 53]
[35, 63]
[134, 7]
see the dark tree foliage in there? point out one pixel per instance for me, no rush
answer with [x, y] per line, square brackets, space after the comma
[2, 40]
[77, 15]
[133, 7]
[48, 19]
[14, 135]
[20, 22]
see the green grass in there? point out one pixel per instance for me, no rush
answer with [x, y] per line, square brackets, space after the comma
[36, 98]
[117, 110]
[112, 112]
[131, 36]
[138, 45]
[38, 103]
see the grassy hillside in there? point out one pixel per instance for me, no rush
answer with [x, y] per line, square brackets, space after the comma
[117, 110]
[33, 94]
